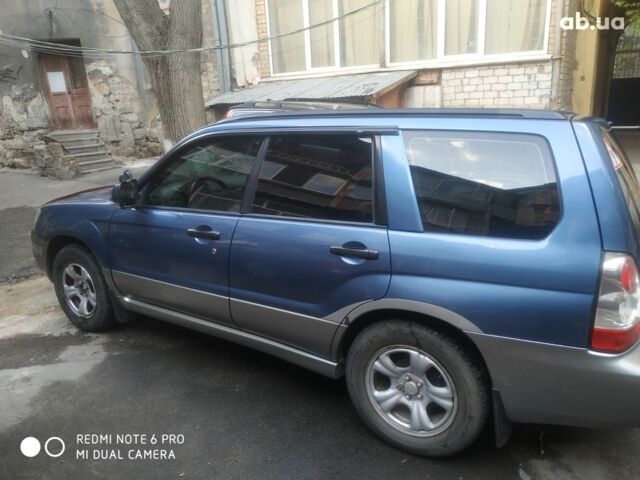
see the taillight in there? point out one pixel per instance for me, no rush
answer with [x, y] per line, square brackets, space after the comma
[617, 325]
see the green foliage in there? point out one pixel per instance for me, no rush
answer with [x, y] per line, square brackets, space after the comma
[631, 8]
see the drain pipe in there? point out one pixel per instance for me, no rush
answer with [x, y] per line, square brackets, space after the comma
[219, 17]
[556, 59]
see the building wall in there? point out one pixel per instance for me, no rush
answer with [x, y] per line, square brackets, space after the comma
[123, 104]
[567, 63]
[210, 80]
[243, 29]
[516, 84]
[593, 61]
[526, 84]
[263, 47]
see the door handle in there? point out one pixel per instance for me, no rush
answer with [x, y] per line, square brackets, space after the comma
[200, 233]
[347, 250]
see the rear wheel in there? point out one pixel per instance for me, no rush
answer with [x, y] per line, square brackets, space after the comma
[417, 387]
[81, 289]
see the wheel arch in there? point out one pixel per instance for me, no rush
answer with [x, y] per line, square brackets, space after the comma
[449, 322]
[356, 322]
[56, 244]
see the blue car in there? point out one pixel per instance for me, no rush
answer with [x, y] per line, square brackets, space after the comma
[460, 268]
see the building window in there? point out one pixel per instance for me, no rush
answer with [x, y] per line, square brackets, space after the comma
[515, 26]
[359, 33]
[413, 30]
[348, 32]
[288, 51]
[336, 41]
[461, 27]
[321, 39]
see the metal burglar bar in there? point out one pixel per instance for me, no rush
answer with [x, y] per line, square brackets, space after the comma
[627, 64]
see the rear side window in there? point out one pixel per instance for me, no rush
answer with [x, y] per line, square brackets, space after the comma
[481, 183]
[325, 177]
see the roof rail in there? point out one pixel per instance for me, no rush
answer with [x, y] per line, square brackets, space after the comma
[415, 112]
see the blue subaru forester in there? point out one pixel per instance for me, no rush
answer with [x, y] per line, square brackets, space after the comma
[454, 265]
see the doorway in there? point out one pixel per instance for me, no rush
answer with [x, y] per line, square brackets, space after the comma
[64, 82]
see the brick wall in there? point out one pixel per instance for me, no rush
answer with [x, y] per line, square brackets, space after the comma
[209, 62]
[566, 63]
[264, 68]
[503, 85]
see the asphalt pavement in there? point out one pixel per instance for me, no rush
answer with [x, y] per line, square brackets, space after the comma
[21, 192]
[226, 412]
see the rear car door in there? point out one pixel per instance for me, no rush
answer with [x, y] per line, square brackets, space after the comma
[173, 249]
[314, 244]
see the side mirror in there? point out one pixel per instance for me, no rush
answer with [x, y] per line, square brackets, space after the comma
[125, 194]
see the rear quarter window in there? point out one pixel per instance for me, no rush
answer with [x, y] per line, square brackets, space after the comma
[626, 176]
[486, 184]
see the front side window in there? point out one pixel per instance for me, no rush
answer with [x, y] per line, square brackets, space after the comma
[325, 177]
[489, 184]
[210, 175]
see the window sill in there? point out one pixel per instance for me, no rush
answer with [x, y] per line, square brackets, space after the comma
[454, 62]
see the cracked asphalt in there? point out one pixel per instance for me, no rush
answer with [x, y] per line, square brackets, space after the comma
[243, 414]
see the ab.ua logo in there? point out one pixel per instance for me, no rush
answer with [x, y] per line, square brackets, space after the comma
[582, 23]
[30, 447]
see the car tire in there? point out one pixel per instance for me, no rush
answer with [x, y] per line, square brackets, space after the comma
[399, 370]
[81, 289]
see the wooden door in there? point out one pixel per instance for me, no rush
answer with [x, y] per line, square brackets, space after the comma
[65, 82]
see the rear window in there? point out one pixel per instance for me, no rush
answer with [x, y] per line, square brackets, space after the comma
[481, 183]
[626, 176]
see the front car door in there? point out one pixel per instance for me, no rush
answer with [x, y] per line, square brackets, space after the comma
[173, 249]
[314, 244]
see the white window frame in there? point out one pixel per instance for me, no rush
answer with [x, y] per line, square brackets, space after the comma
[307, 38]
[440, 61]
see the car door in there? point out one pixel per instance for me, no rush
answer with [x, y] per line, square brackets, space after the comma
[173, 249]
[314, 244]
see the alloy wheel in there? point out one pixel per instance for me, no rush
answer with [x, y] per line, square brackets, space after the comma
[411, 391]
[79, 290]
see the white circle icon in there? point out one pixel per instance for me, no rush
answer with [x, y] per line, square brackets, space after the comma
[30, 447]
[46, 447]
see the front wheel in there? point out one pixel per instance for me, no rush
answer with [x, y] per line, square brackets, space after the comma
[81, 289]
[417, 387]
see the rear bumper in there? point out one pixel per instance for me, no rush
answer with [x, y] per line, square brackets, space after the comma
[542, 383]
